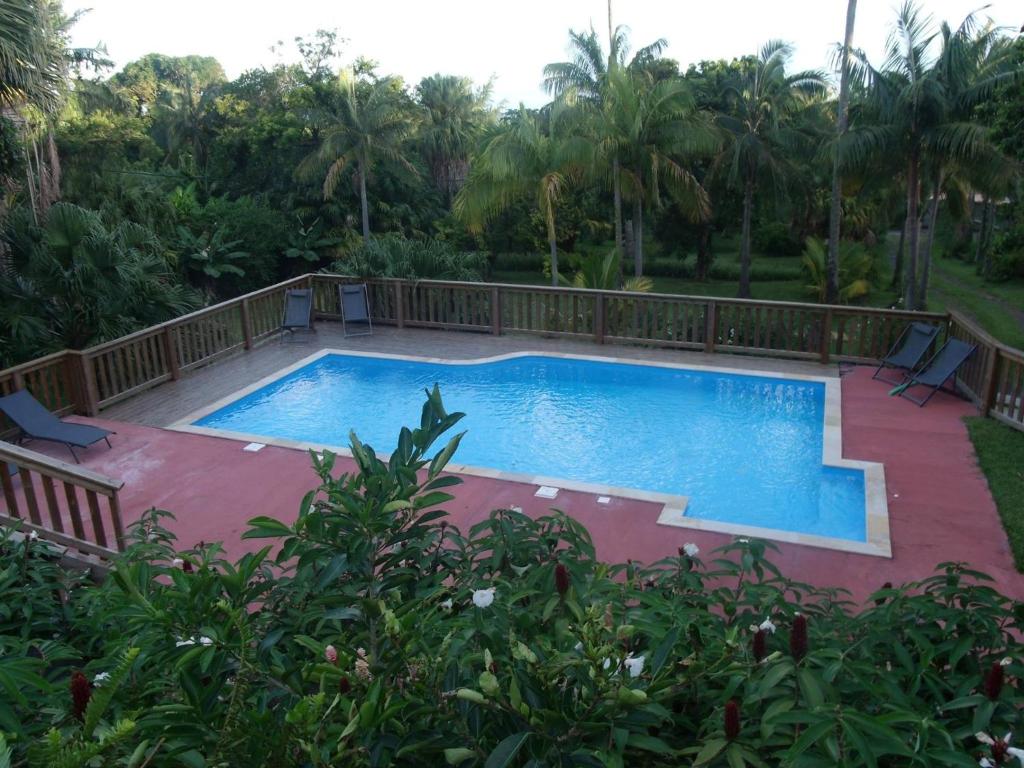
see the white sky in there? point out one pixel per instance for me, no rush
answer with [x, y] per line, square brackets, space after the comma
[510, 39]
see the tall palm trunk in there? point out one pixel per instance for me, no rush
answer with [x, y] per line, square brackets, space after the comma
[363, 202]
[926, 265]
[835, 216]
[553, 246]
[748, 209]
[617, 200]
[638, 237]
[914, 228]
[703, 252]
[897, 269]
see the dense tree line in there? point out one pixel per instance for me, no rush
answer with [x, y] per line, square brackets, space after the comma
[212, 187]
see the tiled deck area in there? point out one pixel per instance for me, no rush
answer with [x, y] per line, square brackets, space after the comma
[939, 504]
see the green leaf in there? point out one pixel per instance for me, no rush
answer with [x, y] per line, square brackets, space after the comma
[650, 744]
[710, 751]
[458, 755]
[809, 737]
[506, 750]
[663, 650]
[265, 528]
[810, 688]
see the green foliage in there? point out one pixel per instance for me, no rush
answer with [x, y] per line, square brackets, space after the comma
[776, 239]
[395, 256]
[1000, 450]
[78, 282]
[601, 272]
[379, 634]
[856, 268]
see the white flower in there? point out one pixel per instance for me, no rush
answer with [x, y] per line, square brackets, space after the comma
[180, 643]
[743, 541]
[447, 605]
[101, 678]
[984, 738]
[204, 640]
[691, 549]
[767, 626]
[1006, 662]
[578, 647]
[635, 665]
[606, 663]
[177, 562]
[482, 598]
[32, 535]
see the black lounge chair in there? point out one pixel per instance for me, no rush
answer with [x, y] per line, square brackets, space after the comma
[355, 308]
[938, 370]
[298, 312]
[37, 423]
[909, 349]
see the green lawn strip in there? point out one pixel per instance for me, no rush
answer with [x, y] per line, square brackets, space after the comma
[958, 287]
[1000, 452]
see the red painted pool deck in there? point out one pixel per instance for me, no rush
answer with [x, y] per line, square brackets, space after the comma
[940, 508]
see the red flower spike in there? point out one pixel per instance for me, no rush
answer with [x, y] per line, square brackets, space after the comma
[344, 686]
[186, 567]
[561, 579]
[81, 692]
[760, 642]
[732, 720]
[798, 638]
[994, 681]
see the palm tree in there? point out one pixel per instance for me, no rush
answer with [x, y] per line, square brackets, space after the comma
[518, 160]
[455, 116]
[915, 114]
[653, 125]
[365, 124]
[581, 84]
[842, 119]
[760, 122]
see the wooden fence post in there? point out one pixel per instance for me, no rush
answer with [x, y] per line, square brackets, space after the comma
[599, 318]
[495, 311]
[243, 309]
[171, 352]
[88, 392]
[399, 303]
[990, 381]
[826, 335]
[710, 327]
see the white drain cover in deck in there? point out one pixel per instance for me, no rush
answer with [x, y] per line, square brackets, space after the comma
[253, 447]
[604, 499]
[546, 492]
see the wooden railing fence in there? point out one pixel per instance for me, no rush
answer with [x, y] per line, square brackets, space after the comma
[66, 504]
[90, 380]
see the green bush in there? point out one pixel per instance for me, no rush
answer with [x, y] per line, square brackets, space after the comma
[518, 262]
[392, 255]
[763, 272]
[378, 634]
[775, 239]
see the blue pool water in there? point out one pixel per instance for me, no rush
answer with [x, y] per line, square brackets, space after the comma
[744, 449]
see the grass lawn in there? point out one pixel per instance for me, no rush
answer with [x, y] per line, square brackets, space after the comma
[1000, 452]
[956, 286]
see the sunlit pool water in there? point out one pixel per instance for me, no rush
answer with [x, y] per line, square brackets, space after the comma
[744, 449]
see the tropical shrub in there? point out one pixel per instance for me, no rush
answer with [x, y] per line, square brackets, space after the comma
[379, 634]
[775, 238]
[856, 269]
[395, 256]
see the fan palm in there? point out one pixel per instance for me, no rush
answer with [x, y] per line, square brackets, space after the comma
[518, 160]
[763, 133]
[454, 117]
[93, 282]
[364, 125]
[855, 265]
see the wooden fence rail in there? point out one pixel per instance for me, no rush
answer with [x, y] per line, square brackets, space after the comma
[994, 376]
[95, 378]
[68, 505]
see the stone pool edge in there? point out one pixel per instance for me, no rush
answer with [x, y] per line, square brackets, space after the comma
[878, 542]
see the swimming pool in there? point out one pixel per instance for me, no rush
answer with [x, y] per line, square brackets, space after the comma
[746, 450]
